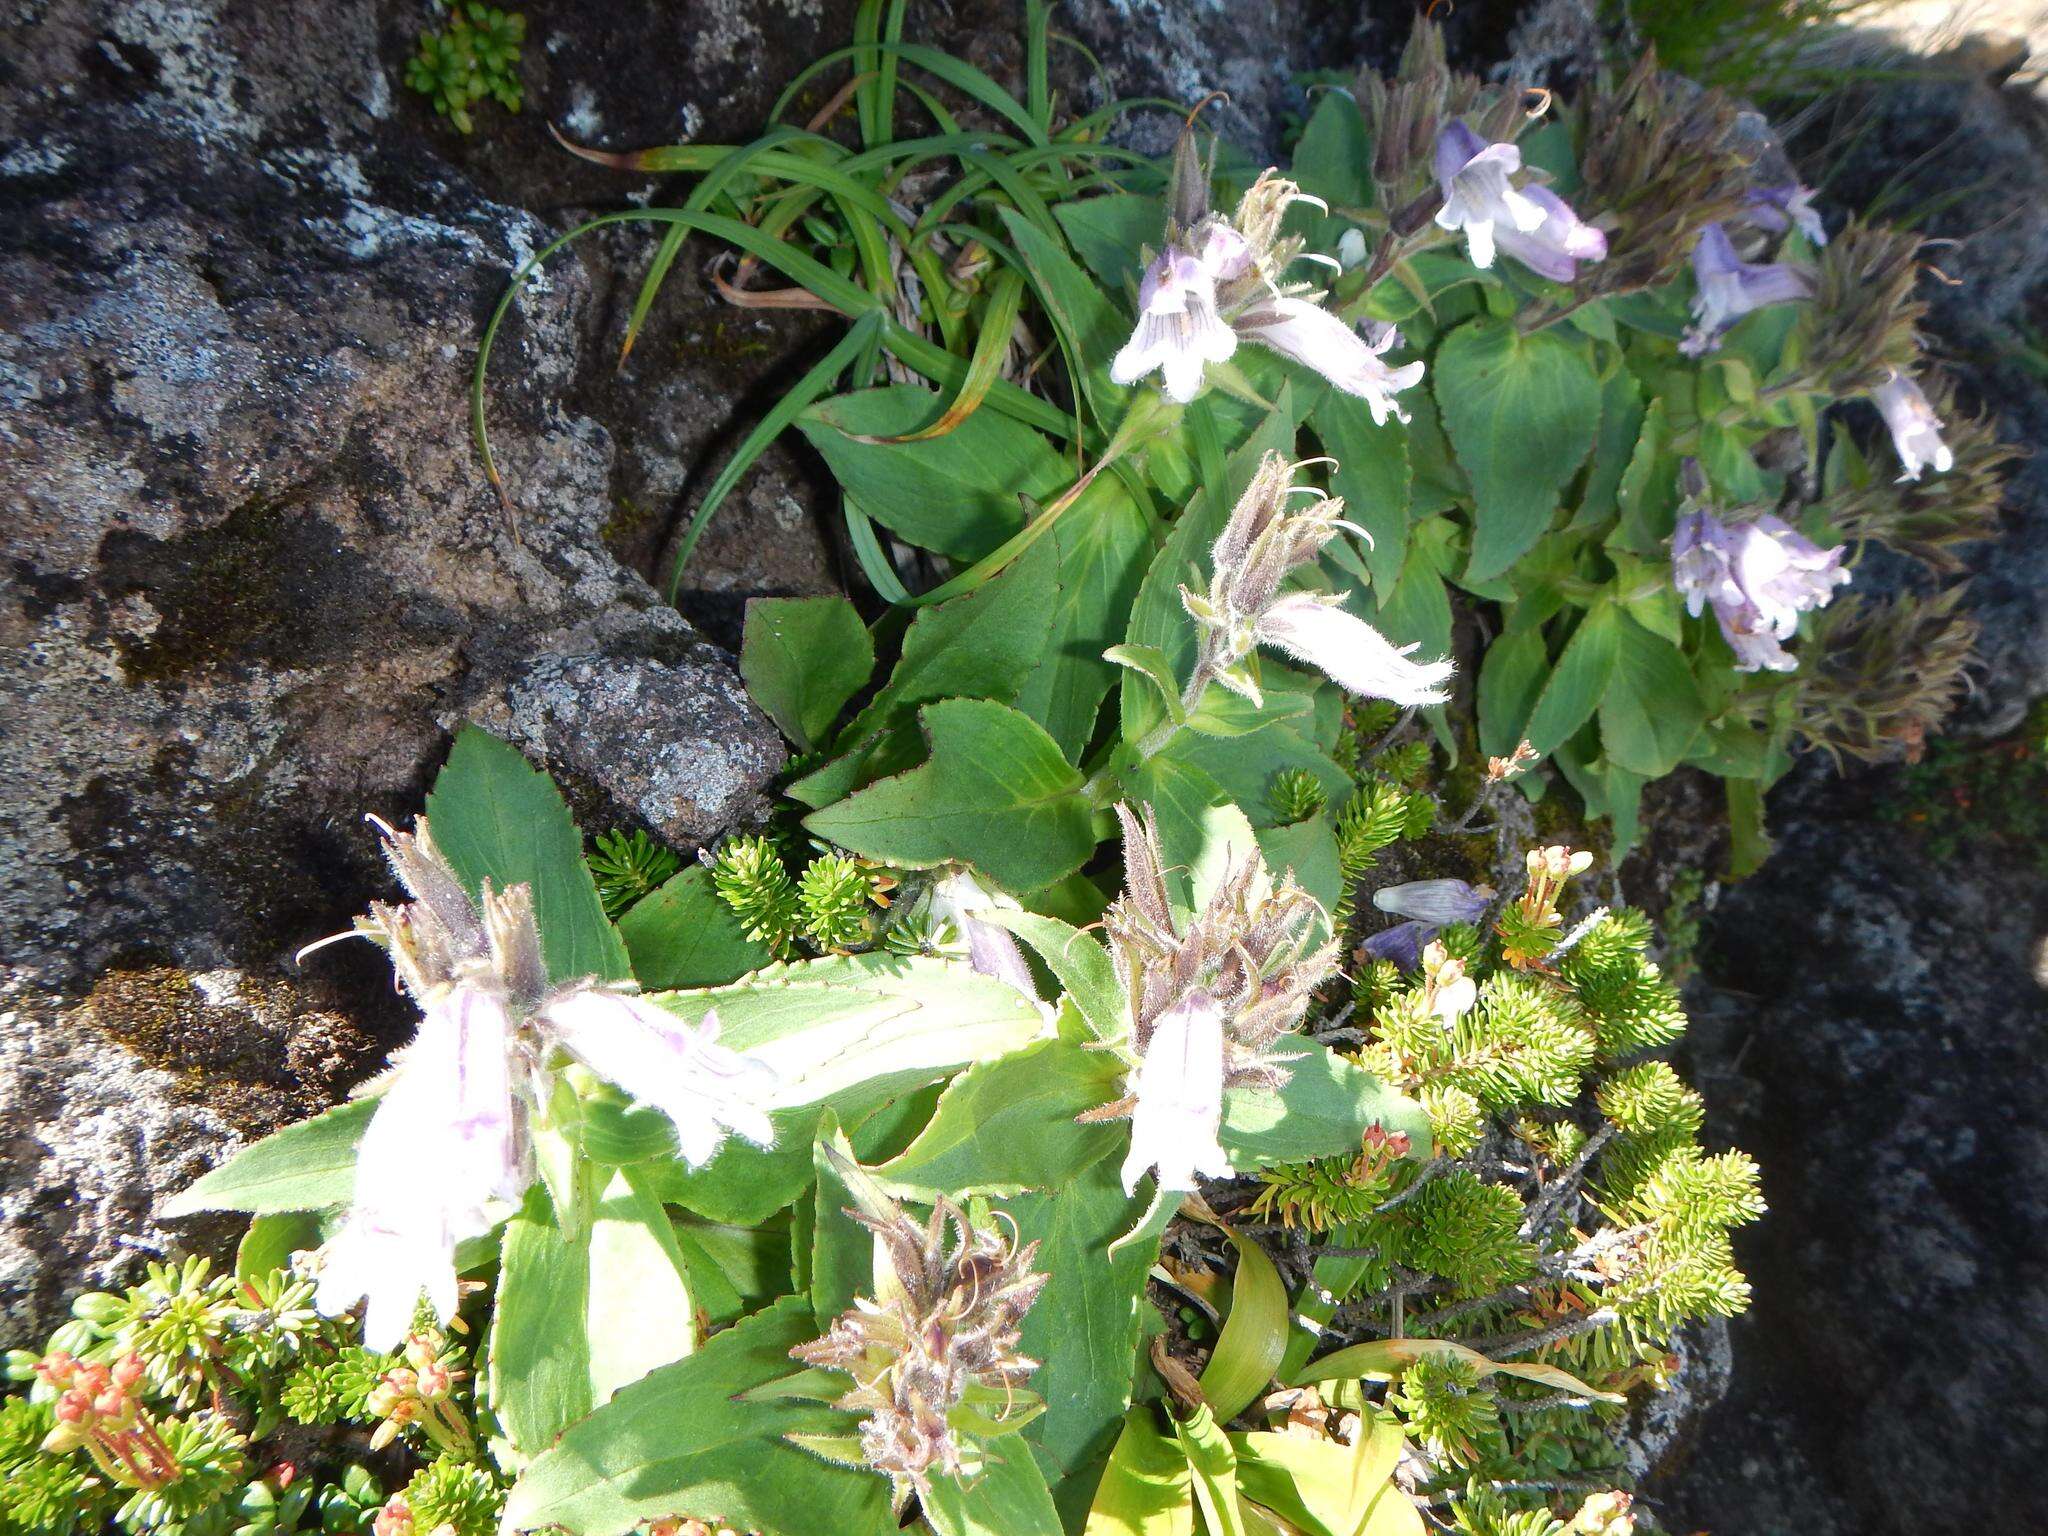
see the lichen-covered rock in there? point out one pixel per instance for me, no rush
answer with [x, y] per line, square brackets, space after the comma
[675, 745]
[110, 1105]
[255, 572]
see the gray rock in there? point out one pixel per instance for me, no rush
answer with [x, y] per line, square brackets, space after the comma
[108, 1106]
[1886, 1019]
[254, 570]
[678, 747]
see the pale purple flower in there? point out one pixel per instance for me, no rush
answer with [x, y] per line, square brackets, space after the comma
[441, 1147]
[1350, 652]
[1435, 901]
[991, 950]
[1402, 944]
[1759, 577]
[1478, 197]
[1178, 1116]
[1915, 429]
[1729, 288]
[1789, 205]
[1315, 338]
[703, 1088]
[1179, 330]
[1555, 247]
[446, 1151]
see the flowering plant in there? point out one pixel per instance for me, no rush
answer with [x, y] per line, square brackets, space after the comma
[845, 1179]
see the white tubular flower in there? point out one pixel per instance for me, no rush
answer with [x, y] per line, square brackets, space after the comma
[703, 1088]
[991, 950]
[446, 1151]
[1315, 338]
[1350, 652]
[1179, 331]
[1477, 193]
[1179, 1091]
[1915, 429]
[440, 1148]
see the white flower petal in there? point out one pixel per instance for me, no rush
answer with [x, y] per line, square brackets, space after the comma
[1350, 652]
[1315, 338]
[660, 1060]
[1179, 1113]
[440, 1147]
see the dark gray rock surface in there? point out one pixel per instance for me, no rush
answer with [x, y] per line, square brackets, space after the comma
[1871, 1017]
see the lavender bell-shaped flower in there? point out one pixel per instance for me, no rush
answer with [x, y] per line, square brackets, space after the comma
[993, 951]
[1478, 197]
[1218, 282]
[1316, 629]
[1788, 205]
[1915, 429]
[1555, 247]
[1435, 901]
[1401, 944]
[702, 1087]
[1179, 329]
[438, 1151]
[1759, 577]
[1729, 288]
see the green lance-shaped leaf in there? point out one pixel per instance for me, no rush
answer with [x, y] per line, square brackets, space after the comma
[579, 1317]
[1147, 1488]
[685, 1441]
[982, 645]
[1522, 412]
[1254, 1334]
[498, 818]
[854, 1033]
[1372, 476]
[956, 494]
[1107, 233]
[802, 659]
[1101, 544]
[1084, 1328]
[1384, 1359]
[1213, 1460]
[1651, 713]
[842, 1257]
[310, 1166]
[1009, 1125]
[996, 793]
[1578, 681]
[1327, 1489]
